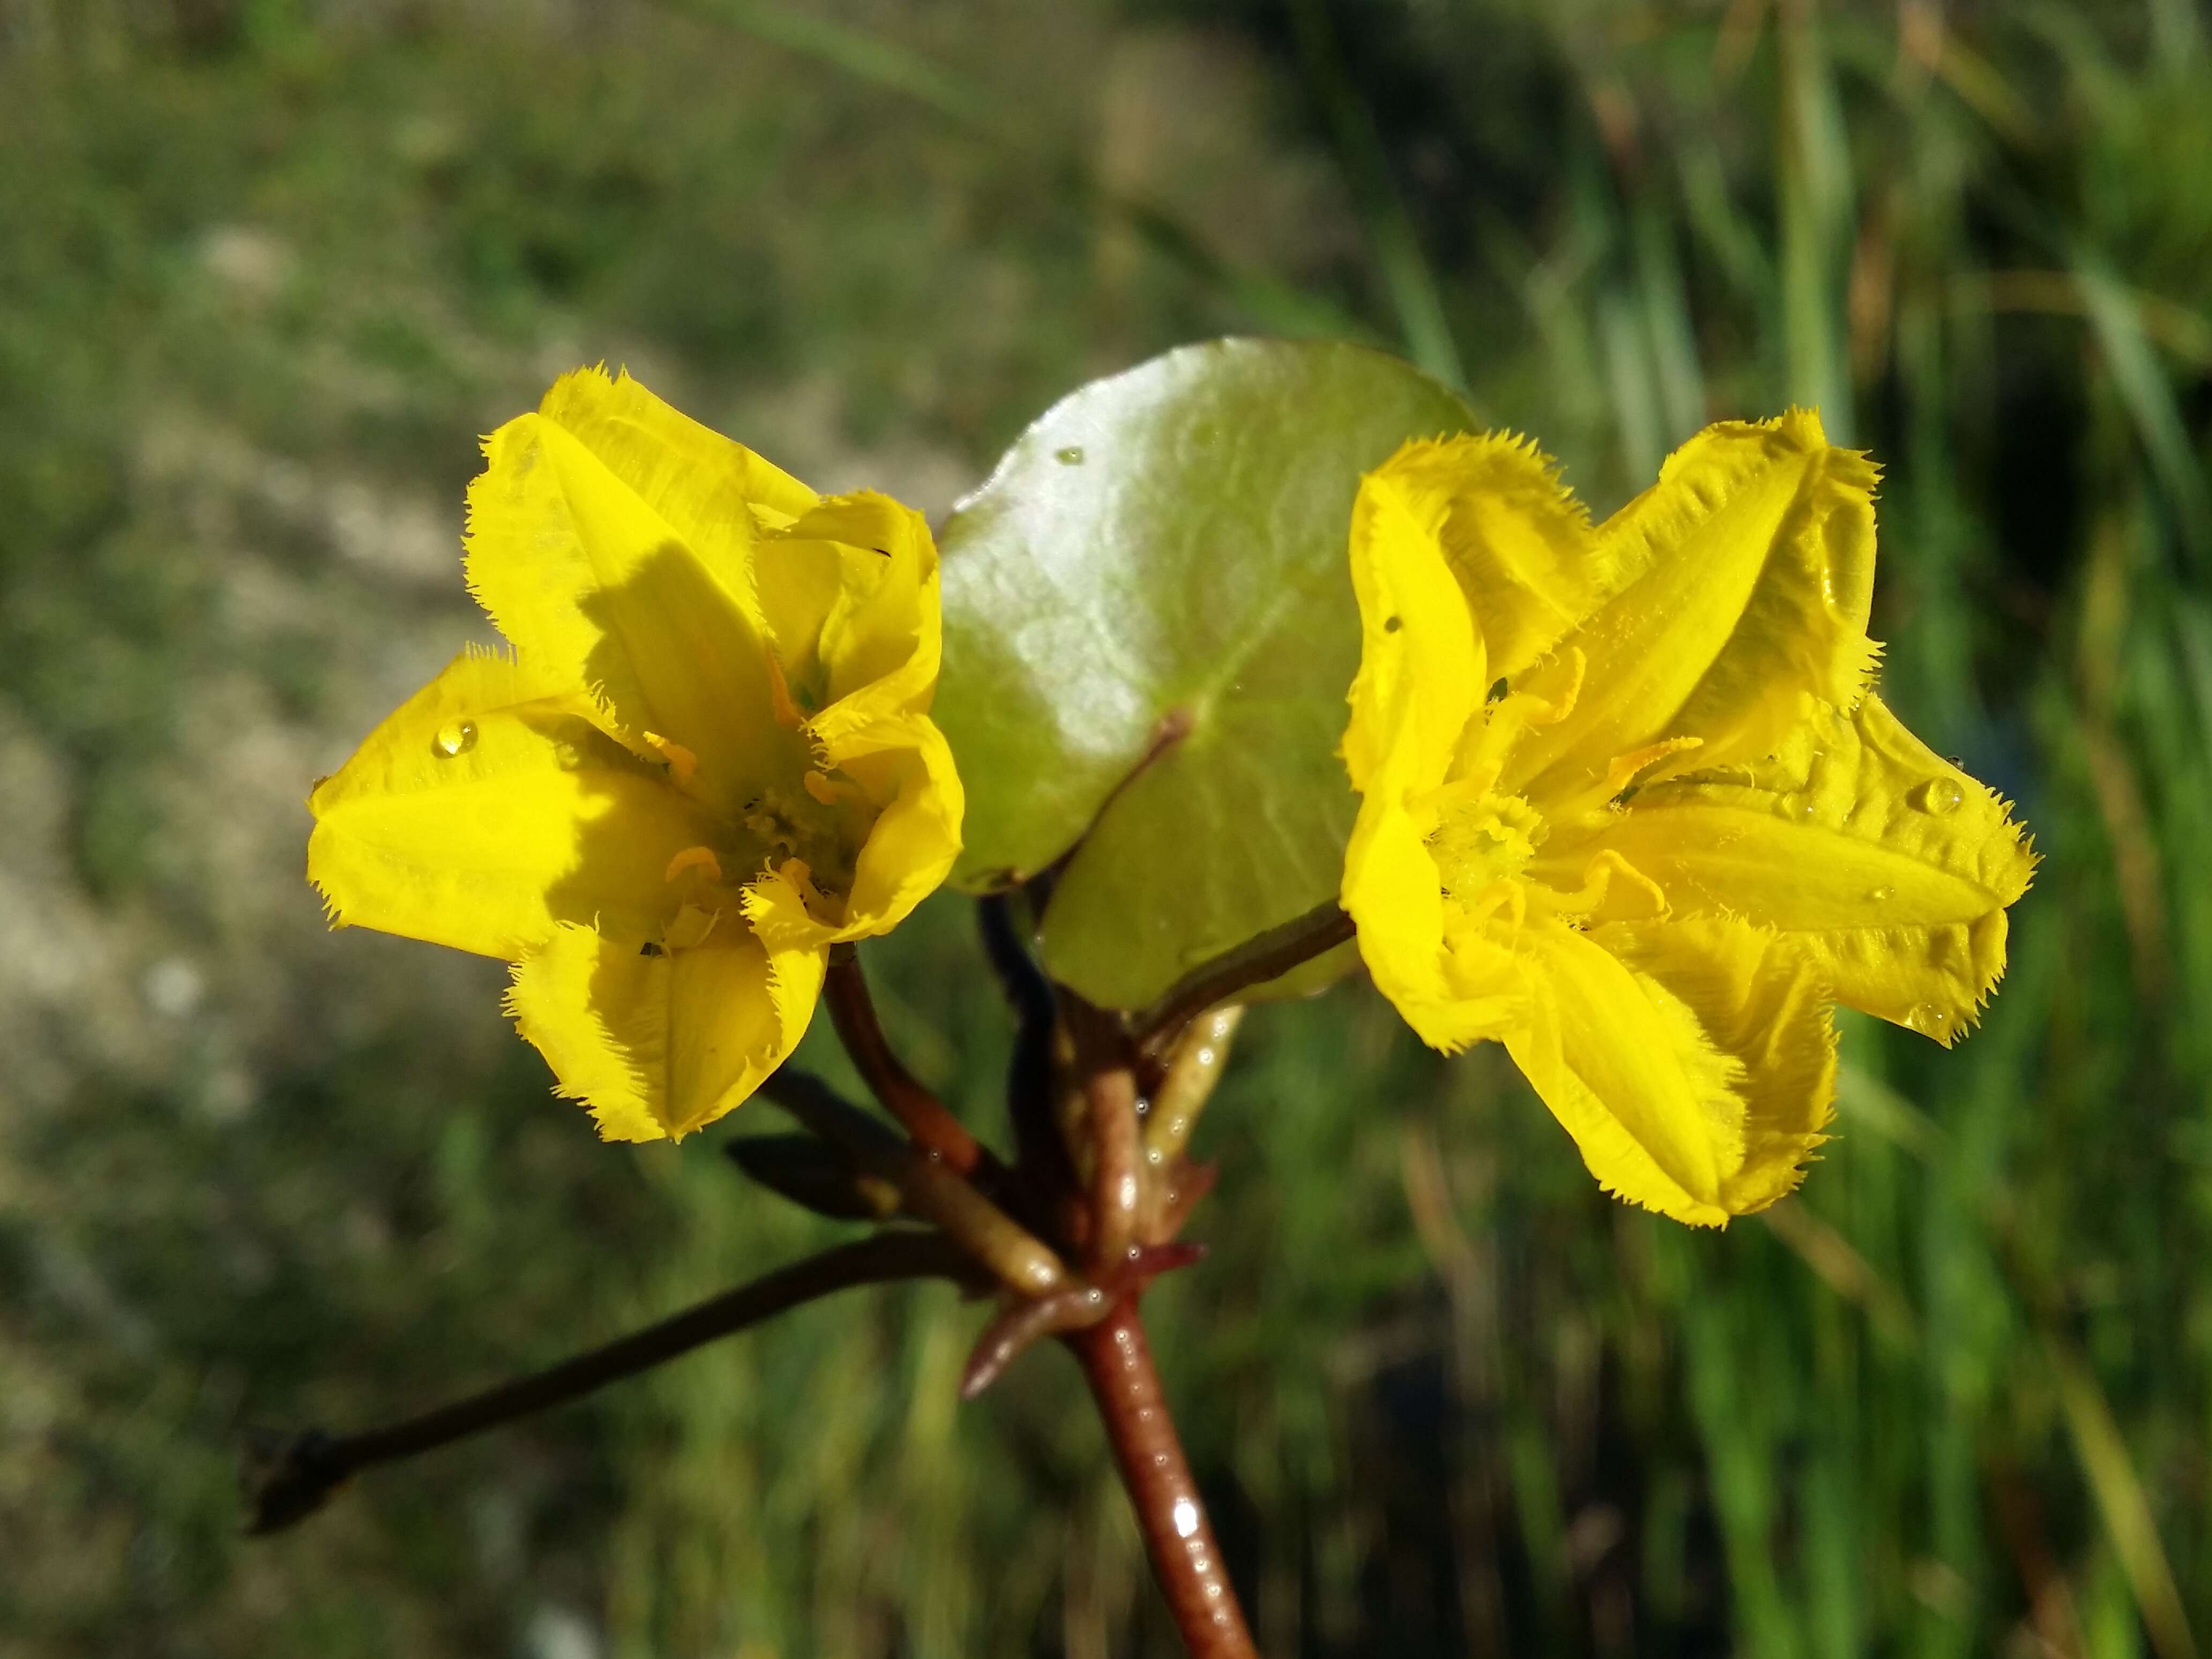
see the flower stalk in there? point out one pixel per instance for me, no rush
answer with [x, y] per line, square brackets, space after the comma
[1124, 1383]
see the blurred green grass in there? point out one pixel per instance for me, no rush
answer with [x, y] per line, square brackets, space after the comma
[268, 266]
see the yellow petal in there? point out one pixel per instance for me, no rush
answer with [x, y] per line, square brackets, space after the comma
[1420, 680]
[1888, 866]
[1519, 545]
[590, 577]
[850, 593]
[711, 491]
[1626, 1065]
[491, 807]
[1761, 1004]
[1748, 570]
[907, 766]
[661, 1044]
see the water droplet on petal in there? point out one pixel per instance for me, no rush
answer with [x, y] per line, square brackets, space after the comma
[1935, 797]
[1928, 1020]
[455, 737]
[1070, 456]
[1882, 894]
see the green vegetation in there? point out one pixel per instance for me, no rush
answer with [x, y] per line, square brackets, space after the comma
[267, 265]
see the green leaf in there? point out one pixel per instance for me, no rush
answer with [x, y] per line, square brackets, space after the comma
[1149, 633]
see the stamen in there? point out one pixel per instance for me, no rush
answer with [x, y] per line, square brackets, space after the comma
[830, 792]
[682, 764]
[1624, 767]
[788, 712]
[695, 858]
[818, 904]
[1620, 773]
[1502, 723]
[1597, 880]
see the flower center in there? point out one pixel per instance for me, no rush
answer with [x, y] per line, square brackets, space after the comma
[814, 825]
[1483, 839]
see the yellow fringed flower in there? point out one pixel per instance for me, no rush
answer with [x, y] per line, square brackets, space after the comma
[1629, 806]
[709, 758]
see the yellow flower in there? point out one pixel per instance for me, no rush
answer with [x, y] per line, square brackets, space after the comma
[1629, 807]
[709, 758]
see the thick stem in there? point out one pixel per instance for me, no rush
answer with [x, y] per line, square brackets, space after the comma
[302, 1471]
[1106, 1059]
[1118, 1363]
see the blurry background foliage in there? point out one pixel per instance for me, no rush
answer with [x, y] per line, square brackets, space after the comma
[267, 266]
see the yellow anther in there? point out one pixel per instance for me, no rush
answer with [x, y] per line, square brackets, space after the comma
[1624, 767]
[828, 790]
[682, 764]
[695, 858]
[1542, 711]
[1597, 880]
[1501, 726]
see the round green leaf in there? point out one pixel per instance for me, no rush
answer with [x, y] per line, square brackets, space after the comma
[1149, 634]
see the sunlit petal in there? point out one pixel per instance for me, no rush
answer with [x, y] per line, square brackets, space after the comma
[1888, 866]
[1519, 545]
[1419, 681]
[1748, 571]
[588, 577]
[850, 593]
[661, 1044]
[904, 768]
[491, 807]
[1764, 1005]
[1626, 1065]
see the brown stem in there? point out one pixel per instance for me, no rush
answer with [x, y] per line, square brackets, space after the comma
[300, 1471]
[1107, 1061]
[1118, 1364]
[933, 1128]
[1259, 959]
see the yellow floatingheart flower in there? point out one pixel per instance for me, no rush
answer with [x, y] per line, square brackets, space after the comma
[709, 758]
[1629, 806]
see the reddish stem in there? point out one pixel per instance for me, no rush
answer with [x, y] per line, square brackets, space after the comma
[934, 1129]
[1117, 1362]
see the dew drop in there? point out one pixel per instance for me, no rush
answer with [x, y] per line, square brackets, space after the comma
[1935, 797]
[455, 737]
[1928, 1020]
[1070, 456]
[1882, 894]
